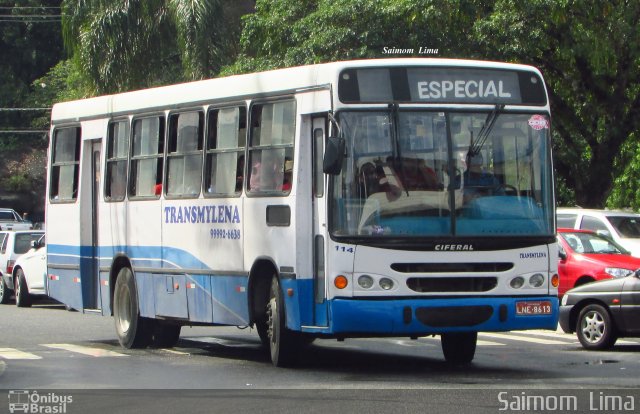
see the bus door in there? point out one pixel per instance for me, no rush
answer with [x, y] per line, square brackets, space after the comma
[319, 126]
[89, 264]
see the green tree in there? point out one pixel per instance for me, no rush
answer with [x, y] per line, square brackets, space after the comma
[590, 56]
[125, 44]
[588, 53]
[286, 33]
[30, 43]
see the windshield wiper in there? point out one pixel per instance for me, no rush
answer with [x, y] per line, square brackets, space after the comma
[486, 129]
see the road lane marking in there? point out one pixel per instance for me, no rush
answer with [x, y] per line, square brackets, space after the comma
[548, 334]
[173, 351]
[85, 350]
[523, 338]
[12, 353]
[481, 342]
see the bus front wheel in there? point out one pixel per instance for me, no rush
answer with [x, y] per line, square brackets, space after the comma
[282, 341]
[459, 347]
[133, 330]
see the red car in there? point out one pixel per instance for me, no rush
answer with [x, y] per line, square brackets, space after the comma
[586, 257]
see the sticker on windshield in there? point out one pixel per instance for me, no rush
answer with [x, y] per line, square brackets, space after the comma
[538, 122]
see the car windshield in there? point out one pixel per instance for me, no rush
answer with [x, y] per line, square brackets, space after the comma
[590, 243]
[431, 174]
[627, 226]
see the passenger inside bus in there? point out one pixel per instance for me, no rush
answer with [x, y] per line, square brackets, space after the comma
[377, 179]
[416, 174]
[239, 173]
[288, 175]
[479, 182]
[263, 176]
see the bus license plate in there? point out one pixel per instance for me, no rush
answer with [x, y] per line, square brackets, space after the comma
[533, 308]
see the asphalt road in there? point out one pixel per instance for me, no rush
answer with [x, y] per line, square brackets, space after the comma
[48, 349]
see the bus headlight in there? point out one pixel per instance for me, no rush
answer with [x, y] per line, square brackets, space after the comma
[386, 283]
[517, 282]
[365, 281]
[536, 280]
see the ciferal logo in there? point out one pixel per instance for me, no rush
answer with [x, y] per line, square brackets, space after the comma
[33, 403]
[454, 247]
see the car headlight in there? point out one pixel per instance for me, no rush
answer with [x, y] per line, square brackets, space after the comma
[617, 272]
[565, 299]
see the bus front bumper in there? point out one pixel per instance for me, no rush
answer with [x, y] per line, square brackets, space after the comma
[416, 317]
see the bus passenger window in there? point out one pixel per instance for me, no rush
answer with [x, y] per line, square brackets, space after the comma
[224, 162]
[116, 165]
[65, 165]
[184, 155]
[271, 148]
[147, 156]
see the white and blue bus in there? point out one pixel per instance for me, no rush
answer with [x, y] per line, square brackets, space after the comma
[374, 198]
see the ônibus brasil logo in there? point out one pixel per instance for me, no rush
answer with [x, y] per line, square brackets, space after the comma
[31, 402]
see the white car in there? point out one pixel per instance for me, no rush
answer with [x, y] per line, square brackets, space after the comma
[30, 273]
[620, 226]
[13, 244]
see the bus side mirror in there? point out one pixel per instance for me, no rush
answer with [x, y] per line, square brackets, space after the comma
[333, 156]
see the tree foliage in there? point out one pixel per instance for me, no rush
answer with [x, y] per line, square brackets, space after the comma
[30, 43]
[125, 44]
[589, 55]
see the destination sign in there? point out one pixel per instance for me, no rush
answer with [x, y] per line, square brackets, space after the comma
[463, 86]
[441, 85]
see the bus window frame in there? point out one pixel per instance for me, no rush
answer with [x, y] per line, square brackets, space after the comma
[167, 155]
[241, 151]
[250, 147]
[159, 155]
[76, 186]
[108, 160]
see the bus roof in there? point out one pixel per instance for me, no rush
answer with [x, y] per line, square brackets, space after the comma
[239, 87]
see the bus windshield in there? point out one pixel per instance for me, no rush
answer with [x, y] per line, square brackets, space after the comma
[419, 173]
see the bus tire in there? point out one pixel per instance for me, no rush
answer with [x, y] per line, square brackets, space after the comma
[459, 347]
[263, 330]
[165, 334]
[282, 342]
[23, 299]
[133, 330]
[5, 292]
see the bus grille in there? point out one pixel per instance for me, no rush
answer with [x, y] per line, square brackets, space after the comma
[451, 284]
[451, 267]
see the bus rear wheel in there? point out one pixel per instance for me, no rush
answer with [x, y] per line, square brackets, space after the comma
[459, 347]
[133, 330]
[283, 344]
